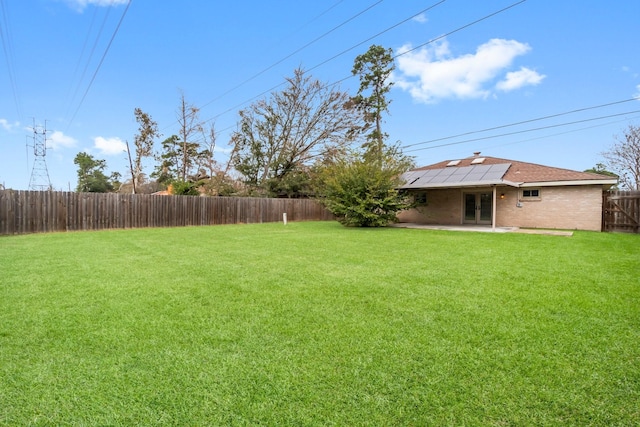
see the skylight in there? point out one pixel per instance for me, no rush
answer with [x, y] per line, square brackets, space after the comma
[453, 163]
[478, 160]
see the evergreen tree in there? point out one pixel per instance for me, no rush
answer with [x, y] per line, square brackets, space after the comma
[361, 189]
[91, 177]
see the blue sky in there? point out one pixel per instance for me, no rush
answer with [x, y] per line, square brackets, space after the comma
[85, 65]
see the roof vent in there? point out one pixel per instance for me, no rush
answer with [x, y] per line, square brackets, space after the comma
[478, 160]
[476, 153]
[453, 163]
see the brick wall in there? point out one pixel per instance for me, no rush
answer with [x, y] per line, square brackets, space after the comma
[573, 208]
[443, 207]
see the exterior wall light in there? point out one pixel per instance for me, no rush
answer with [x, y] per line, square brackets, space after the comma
[502, 195]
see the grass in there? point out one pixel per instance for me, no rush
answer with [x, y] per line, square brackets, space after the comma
[316, 324]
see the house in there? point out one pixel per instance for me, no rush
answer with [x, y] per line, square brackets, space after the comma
[504, 193]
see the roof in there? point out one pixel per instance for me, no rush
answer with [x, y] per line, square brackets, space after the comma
[486, 171]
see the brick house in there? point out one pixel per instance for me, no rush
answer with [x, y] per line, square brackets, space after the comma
[505, 193]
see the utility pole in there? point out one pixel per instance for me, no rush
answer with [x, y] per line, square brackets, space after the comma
[39, 180]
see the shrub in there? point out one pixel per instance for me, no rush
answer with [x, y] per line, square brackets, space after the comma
[361, 191]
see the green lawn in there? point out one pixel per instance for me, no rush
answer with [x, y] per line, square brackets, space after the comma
[317, 324]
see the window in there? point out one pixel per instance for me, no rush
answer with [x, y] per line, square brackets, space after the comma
[531, 194]
[420, 198]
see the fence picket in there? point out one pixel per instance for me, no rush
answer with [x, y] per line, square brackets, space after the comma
[621, 211]
[23, 212]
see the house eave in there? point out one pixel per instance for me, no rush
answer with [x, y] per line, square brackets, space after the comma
[503, 182]
[472, 184]
[604, 182]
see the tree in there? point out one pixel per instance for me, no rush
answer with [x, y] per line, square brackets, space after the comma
[190, 128]
[184, 188]
[374, 69]
[205, 160]
[143, 141]
[115, 180]
[362, 189]
[363, 193]
[91, 177]
[188, 156]
[601, 169]
[280, 137]
[624, 158]
[215, 180]
[167, 170]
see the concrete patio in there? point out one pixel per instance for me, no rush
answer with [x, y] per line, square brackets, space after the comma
[482, 229]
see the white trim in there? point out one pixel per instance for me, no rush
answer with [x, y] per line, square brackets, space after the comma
[476, 184]
[529, 198]
[564, 183]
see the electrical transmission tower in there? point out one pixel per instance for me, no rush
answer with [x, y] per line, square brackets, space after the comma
[39, 174]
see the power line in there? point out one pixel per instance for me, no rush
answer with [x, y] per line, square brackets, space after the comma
[521, 122]
[280, 61]
[104, 55]
[331, 59]
[374, 36]
[93, 49]
[388, 29]
[294, 52]
[378, 34]
[323, 152]
[522, 131]
[491, 15]
[7, 47]
[315, 18]
[562, 133]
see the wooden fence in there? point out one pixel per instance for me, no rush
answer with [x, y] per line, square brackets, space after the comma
[23, 212]
[621, 211]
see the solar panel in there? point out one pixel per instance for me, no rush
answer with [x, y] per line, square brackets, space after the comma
[410, 177]
[456, 177]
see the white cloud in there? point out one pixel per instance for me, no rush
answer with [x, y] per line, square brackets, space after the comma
[637, 95]
[8, 126]
[422, 18]
[517, 79]
[109, 146]
[60, 140]
[217, 149]
[432, 73]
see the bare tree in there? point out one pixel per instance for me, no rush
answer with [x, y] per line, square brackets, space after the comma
[279, 137]
[624, 158]
[205, 161]
[190, 129]
[188, 155]
[143, 141]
